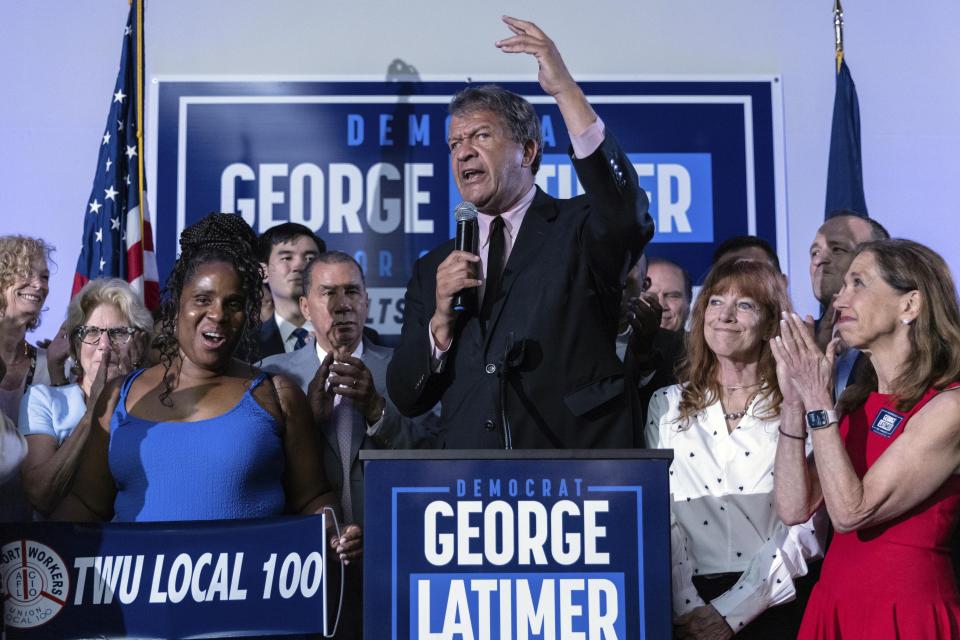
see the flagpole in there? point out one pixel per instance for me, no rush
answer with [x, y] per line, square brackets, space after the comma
[838, 32]
[140, 183]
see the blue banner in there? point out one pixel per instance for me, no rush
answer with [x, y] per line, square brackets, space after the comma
[366, 164]
[166, 580]
[526, 547]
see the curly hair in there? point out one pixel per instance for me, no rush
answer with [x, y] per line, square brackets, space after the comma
[699, 366]
[17, 254]
[219, 237]
[934, 358]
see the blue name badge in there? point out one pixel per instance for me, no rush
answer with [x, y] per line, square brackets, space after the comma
[886, 423]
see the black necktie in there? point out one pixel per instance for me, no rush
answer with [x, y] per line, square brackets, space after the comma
[494, 267]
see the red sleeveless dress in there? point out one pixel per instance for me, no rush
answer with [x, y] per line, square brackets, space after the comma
[894, 580]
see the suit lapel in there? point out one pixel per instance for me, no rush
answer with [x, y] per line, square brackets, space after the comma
[533, 231]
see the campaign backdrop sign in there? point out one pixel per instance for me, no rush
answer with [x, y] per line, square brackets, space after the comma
[165, 580]
[365, 163]
[512, 545]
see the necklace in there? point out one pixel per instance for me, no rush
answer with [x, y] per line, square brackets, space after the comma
[738, 387]
[736, 415]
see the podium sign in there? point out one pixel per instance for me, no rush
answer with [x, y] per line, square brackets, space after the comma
[511, 545]
[165, 580]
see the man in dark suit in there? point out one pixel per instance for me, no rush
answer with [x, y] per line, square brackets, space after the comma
[532, 364]
[285, 251]
[344, 376]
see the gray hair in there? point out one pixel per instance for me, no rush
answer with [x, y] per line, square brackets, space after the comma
[517, 113]
[330, 257]
[112, 291]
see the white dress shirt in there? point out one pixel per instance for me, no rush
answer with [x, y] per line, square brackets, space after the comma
[286, 329]
[722, 514]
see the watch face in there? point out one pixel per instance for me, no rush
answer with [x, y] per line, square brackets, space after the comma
[817, 419]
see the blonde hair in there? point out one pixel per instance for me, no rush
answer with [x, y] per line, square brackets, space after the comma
[112, 291]
[17, 254]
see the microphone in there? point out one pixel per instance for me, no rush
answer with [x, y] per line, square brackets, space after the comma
[468, 234]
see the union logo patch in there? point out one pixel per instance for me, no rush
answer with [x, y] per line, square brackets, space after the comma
[35, 581]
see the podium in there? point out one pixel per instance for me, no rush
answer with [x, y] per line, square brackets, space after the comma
[503, 545]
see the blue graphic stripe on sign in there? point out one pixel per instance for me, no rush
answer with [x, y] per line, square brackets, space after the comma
[640, 591]
[393, 543]
[517, 605]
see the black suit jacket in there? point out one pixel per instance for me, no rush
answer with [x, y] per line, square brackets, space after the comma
[548, 350]
[666, 351]
[269, 341]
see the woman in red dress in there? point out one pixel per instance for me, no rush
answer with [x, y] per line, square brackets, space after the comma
[888, 470]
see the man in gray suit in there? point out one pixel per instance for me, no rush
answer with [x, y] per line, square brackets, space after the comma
[344, 377]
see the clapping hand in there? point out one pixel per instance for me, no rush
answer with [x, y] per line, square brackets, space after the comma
[100, 380]
[805, 373]
[58, 350]
[643, 316]
[319, 395]
[350, 378]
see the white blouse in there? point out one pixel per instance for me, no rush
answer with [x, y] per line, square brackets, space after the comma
[723, 519]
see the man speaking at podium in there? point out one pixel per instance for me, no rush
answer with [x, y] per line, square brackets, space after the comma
[531, 363]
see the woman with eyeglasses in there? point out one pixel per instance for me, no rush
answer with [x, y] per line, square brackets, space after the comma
[108, 328]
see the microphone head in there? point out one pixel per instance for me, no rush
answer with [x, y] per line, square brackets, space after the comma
[465, 211]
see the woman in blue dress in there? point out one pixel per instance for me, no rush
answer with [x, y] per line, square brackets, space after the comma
[203, 435]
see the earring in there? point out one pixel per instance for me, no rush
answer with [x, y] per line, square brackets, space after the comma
[904, 321]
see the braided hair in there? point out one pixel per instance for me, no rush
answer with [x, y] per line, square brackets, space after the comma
[219, 237]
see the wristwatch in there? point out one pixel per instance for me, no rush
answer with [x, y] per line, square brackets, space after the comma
[821, 418]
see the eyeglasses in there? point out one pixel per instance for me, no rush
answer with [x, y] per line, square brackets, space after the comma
[116, 335]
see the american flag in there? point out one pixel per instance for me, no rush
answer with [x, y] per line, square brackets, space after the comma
[117, 237]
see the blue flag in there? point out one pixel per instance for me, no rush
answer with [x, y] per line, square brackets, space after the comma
[845, 170]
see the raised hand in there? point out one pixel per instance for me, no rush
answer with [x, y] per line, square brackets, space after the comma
[554, 77]
[319, 395]
[528, 38]
[58, 350]
[131, 357]
[643, 315]
[101, 379]
[350, 378]
[800, 363]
